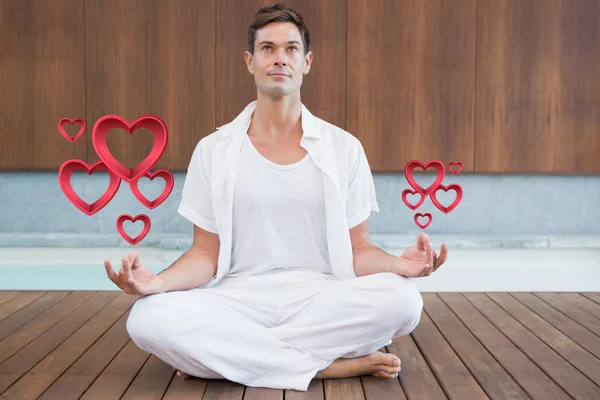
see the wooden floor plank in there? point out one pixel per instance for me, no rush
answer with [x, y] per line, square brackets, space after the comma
[579, 357]
[535, 382]
[30, 331]
[32, 310]
[18, 302]
[75, 381]
[186, 389]
[6, 295]
[376, 388]
[492, 377]
[586, 339]
[221, 389]
[152, 381]
[25, 359]
[455, 379]
[253, 393]
[583, 302]
[415, 376]
[595, 297]
[316, 391]
[344, 389]
[564, 374]
[574, 312]
[41, 377]
[118, 375]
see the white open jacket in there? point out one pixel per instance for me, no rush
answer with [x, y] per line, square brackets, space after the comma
[207, 197]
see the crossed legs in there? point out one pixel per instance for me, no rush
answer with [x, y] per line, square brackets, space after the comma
[280, 338]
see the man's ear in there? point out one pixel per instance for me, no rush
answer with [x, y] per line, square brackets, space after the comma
[308, 62]
[248, 60]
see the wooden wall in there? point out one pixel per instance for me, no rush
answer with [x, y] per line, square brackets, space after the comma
[505, 86]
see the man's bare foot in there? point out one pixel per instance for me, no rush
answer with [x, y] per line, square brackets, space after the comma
[181, 374]
[382, 365]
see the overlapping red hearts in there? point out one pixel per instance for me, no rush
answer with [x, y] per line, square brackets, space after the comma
[431, 190]
[117, 171]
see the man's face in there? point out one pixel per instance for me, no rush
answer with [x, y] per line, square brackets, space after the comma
[278, 63]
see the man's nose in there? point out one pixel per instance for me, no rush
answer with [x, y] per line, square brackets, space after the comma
[281, 58]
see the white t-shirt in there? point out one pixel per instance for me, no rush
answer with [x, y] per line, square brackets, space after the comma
[278, 215]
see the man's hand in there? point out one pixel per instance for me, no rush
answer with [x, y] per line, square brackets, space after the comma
[134, 278]
[421, 260]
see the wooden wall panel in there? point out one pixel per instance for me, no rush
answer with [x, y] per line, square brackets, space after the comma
[538, 98]
[505, 86]
[41, 81]
[151, 57]
[324, 88]
[411, 80]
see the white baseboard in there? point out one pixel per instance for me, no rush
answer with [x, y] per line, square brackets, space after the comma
[467, 269]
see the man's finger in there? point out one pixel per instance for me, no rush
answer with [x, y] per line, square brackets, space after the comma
[430, 254]
[134, 258]
[127, 273]
[422, 242]
[111, 274]
[442, 258]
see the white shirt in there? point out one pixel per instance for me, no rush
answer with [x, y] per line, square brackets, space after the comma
[278, 215]
[348, 187]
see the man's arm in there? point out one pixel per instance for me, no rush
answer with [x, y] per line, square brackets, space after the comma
[368, 258]
[420, 260]
[196, 266]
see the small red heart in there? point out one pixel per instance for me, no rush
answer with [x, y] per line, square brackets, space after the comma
[408, 173]
[169, 183]
[61, 128]
[405, 200]
[64, 179]
[454, 164]
[141, 217]
[452, 206]
[426, 215]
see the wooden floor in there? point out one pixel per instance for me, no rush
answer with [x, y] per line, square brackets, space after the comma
[74, 345]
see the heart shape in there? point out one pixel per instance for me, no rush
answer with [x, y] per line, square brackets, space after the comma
[64, 179]
[169, 183]
[151, 122]
[452, 206]
[408, 173]
[141, 217]
[452, 164]
[405, 200]
[61, 128]
[426, 215]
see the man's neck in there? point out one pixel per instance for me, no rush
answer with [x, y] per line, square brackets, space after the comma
[277, 119]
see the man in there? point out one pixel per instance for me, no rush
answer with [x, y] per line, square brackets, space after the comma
[281, 284]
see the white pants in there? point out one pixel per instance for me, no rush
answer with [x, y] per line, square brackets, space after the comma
[275, 330]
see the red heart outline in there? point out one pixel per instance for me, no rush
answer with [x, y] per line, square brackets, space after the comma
[126, 217]
[64, 179]
[417, 215]
[437, 165]
[452, 186]
[405, 200]
[151, 122]
[452, 164]
[169, 183]
[61, 128]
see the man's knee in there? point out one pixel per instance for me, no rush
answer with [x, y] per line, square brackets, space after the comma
[404, 303]
[147, 325]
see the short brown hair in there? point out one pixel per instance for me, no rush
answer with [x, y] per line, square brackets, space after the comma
[277, 13]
